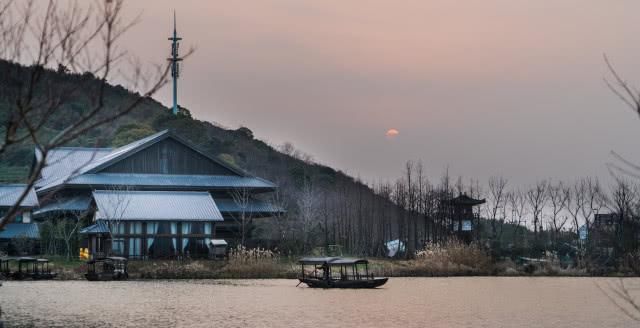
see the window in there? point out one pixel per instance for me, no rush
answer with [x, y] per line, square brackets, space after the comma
[117, 246]
[135, 247]
[117, 228]
[135, 228]
[152, 228]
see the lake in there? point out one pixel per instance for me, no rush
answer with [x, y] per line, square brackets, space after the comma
[403, 302]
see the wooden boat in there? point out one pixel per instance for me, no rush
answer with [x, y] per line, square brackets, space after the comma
[337, 272]
[28, 268]
[41, 270]
[5, 273]
[107, 268]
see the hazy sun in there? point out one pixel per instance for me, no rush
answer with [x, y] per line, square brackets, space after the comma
[392, 133]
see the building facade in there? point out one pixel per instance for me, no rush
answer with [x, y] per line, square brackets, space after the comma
[158, 197]
[21, 235]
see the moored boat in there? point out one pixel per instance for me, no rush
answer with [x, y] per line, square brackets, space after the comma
[107, 268]
[41, 270]
[28, 268]
[337, 272]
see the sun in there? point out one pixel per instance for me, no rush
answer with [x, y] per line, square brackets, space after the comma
[391, 133]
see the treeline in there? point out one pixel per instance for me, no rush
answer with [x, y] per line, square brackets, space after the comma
[547, 218]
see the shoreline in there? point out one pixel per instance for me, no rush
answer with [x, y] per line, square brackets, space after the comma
[288, 269]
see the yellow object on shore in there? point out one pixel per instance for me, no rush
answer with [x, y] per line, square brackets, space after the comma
[84, 253]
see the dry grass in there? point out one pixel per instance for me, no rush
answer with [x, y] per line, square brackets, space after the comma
[243, 263]
[449, 259]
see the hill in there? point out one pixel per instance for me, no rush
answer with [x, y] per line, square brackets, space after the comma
[325, 205]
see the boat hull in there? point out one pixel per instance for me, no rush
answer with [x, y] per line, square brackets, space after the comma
[365, 283]
[105, 276]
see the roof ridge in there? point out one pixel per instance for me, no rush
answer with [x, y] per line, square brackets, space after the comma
[81, 148]
[154, 191]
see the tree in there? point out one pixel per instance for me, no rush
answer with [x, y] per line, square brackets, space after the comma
[537, 198]
[575, 201]
[242, 198]
[518, 205]
[624, 202]
[116, 203]
[307, 202]
[496, 202]
[558, 197]
[75, 38]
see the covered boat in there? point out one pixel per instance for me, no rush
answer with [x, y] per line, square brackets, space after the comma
[28, 268]
[107, 268]
[337, 272]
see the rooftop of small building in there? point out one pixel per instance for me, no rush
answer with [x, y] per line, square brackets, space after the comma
[10, 194]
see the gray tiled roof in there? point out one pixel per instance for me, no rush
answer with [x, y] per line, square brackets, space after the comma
[170, 181]
[14, 230]
[123, 150]
[10, 193]
[156, 205]
[63, 162]
[99, 227]
[67, 172]
[253, 206]
[67, 204]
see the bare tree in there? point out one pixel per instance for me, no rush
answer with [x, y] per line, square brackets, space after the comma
[68, 228]
[624, 202]
[558, 197]
[242, 198]
[117, 202]
[76, 38]
[575, 201]
[307, 202]
[593, 201]
[496, 203]
[537, 198]
[518, 205]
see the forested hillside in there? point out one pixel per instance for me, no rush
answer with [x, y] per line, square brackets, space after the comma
[325, 206]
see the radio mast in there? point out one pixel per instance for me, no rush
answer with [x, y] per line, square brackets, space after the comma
[175, 63]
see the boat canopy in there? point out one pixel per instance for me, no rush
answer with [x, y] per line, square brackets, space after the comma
[107, 259]
[331, 261]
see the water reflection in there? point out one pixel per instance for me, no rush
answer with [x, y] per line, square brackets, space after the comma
[403, 302]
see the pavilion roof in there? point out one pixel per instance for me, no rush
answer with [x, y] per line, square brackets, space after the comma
[463, 199]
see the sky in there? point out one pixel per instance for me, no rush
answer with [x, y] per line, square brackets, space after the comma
[481, 87]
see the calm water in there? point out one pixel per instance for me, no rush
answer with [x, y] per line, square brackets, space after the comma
[403, 302]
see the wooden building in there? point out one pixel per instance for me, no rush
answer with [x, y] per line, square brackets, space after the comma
[156, 197]
[21, 235]
[463, 220]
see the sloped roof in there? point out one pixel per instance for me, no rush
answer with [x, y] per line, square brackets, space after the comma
[156, 205]
[63, 162]
[136, 146]
[15, 230]
[67, 204]
[253, 206]
[99, 227]
[168, 181]
[463, 199]
[58, 177]
[10, 193]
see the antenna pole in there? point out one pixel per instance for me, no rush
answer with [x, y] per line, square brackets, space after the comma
[175, 63]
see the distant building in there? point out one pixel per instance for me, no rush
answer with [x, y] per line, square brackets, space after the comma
[21, 235]
[157, 197]
[609, 231]
[464, 222]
